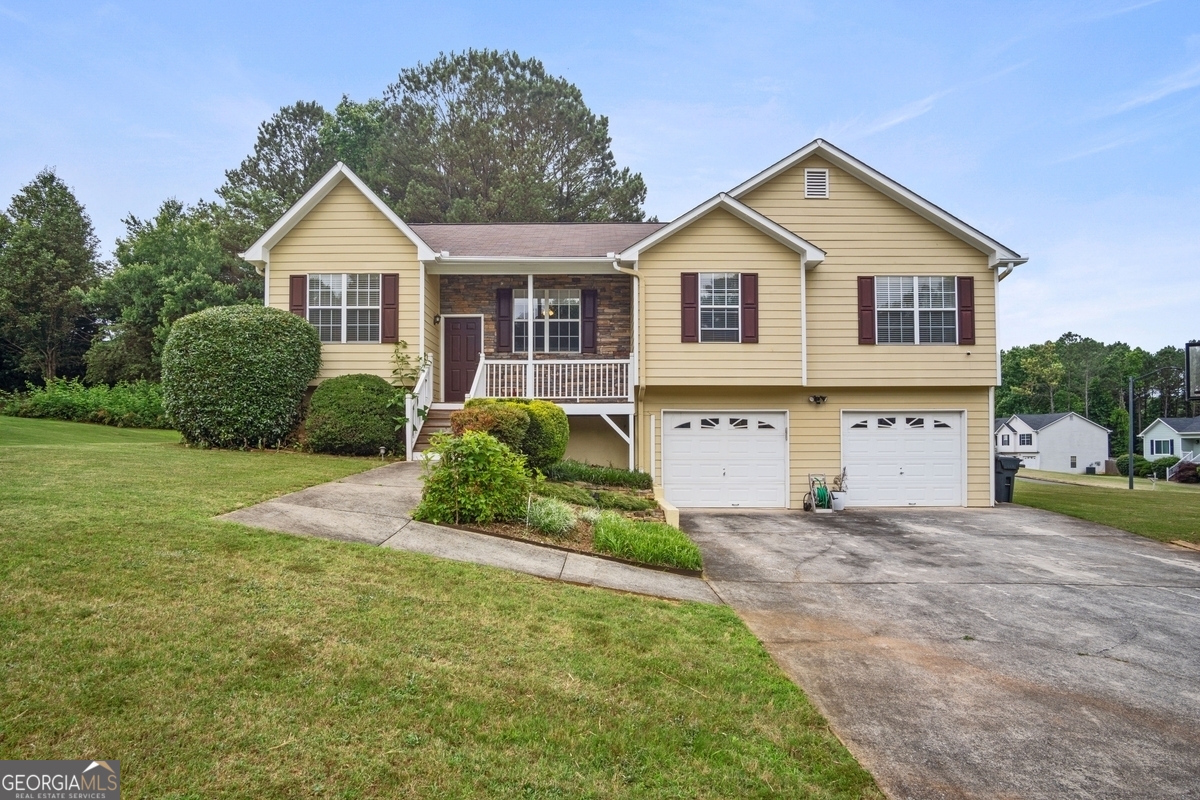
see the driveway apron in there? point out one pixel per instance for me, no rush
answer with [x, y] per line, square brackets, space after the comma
[993, 653]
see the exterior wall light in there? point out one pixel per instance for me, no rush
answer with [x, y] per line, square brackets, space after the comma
[437, 319]
[817, 399]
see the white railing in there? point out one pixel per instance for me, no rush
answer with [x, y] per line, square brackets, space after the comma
[590, 379]
[416, 403]
[1186, 458]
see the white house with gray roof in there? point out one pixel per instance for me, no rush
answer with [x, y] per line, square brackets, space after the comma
[1172, 436]
[1065, 442]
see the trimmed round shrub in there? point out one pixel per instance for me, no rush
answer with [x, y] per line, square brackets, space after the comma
[1159, 466]
[552, 517]
[234, 376]
[475, 478]
[546, 439]
[349, 415]
[506, 421]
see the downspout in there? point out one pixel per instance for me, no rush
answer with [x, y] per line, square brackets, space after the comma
[803, 323]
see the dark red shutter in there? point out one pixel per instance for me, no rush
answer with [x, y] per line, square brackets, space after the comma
[689, 306]
[966, 311]
[298, 295]
[504, 320]
[589, 302]
[389, 312]
[750, 307]
[866, 310]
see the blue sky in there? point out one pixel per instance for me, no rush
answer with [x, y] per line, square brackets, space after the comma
[1069, 131]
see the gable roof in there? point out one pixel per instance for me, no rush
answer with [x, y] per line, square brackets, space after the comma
[1039, 422]
[810, 254]
[1177, 424]
[258, 253]
[997, 253]
[533, 239]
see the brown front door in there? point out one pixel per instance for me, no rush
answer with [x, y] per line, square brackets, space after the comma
[464, 337]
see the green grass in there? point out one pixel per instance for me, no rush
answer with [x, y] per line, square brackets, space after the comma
[1110, 481]
[1162, 514]
[647, 542]
[216, 660]
[600, 499]
[567, 470]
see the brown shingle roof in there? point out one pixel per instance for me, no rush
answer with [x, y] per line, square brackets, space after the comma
[534, 239]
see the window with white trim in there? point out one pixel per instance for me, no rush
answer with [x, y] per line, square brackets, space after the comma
[1025, 440]
[916, 310]
[1162, 447]
[720, 307]
[556, 321]
[1004, 440]
[345, 307]
[1074, 462]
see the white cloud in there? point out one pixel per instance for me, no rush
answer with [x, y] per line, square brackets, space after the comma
[1172, 84]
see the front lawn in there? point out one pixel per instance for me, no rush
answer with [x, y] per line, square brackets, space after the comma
[1161, 514]
[216, 660]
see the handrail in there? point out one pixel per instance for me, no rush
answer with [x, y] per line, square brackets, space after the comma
[480, 375]
[1186, 458]
[416, 403]
[555, 379]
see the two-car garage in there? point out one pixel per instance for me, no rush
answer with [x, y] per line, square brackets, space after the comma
[730, 458]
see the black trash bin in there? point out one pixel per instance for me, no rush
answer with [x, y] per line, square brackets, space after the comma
[1006, 473]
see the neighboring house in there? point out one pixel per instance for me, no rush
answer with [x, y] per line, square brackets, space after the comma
[1064, 442]
[1172, 436]
[818, 317]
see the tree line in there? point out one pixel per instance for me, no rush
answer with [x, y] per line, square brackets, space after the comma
[478, 136]
[1076, 373]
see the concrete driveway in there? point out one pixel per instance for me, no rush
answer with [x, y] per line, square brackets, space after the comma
[978, 653]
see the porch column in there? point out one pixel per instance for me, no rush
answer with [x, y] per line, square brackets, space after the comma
[529, 338]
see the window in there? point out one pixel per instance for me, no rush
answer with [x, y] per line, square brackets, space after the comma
[1162, 447]
[556, 321]
[739, 422]
[1005, 440]
[345, 307]
[720, 307]
[710, 422]
[918, 309]
[885, 422]
[1025, 440]
[816, 184]
[1073, 462]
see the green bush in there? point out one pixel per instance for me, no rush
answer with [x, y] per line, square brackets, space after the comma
[553, 517]
[234, 376]
[1139, 465]
[601, 476]
[1159, 466]
[475, 478]
[126, 405]
[506, 421]
[351, 415]
[546, 438]
[647, 542]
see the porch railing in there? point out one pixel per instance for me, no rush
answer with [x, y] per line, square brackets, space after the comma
[585, 379]
[416, 403]
[1186, 458]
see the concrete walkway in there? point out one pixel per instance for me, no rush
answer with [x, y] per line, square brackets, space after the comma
[373, 507]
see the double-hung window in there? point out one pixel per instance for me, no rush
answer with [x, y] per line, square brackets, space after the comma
[555, 321]
[720, 307]
[915, 310]
[1004, 440]
[1162, 447]
[345, 307]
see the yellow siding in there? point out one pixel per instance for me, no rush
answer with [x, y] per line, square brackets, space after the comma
[433, 338]
[866, 233]
[594, 442]
[814, 434]
[720, 242]
[346, 233]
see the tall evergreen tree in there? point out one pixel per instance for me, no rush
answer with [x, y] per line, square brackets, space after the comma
[48, 259]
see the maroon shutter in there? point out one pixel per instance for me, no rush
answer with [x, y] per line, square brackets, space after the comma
[504, 320]
[589, 302]
[389, 311]
[298, 295]
[966, 311]
[750, 307]
[689, 306]
[866, 310]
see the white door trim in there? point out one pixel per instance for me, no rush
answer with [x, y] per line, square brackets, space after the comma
[787, 438]
[922, 410]
[442, 349]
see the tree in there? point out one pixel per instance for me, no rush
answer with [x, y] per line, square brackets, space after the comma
[488, 136]
[167, 268]
[48, 259]
[1043, 369]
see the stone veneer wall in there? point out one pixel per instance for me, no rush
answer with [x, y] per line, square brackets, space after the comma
[476, 294]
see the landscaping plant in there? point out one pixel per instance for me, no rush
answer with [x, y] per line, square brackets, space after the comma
[553, 517]
[545, 440]
[235, 376]
[601, 476]
[473, 478]
[350, 415]
[126, 405]
[600, 499]
[506, 421]
[647, 542]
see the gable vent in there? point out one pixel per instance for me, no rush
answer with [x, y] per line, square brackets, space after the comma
[816, 183]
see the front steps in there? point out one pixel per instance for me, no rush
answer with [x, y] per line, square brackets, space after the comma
[437, 420]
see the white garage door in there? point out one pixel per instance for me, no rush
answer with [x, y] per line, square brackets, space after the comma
[903, 458]
[715, 459]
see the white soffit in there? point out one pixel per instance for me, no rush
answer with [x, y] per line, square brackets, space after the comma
[257, 253]
[810, 254]
[997, 253]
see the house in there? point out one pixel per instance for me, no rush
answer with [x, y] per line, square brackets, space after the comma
[1064, 442]
[815, 318]
[1172, 436]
